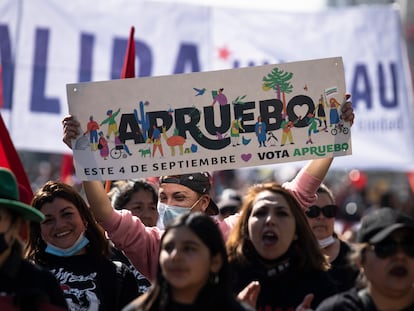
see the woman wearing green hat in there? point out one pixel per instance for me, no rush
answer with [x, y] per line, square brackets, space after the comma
[23, 286]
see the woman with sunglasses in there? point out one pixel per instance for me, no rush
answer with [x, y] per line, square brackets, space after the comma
[321, 218]
[386, 258]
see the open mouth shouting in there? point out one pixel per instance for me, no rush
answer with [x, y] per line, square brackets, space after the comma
[270, 238]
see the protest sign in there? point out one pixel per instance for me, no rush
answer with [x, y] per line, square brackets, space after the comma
[209, 121]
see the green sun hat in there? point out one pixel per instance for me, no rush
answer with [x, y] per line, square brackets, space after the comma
[9, 197]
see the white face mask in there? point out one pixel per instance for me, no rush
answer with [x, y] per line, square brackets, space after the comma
[326, 242]
[166, 213]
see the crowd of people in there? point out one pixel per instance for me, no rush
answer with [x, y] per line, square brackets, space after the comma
[170, 246]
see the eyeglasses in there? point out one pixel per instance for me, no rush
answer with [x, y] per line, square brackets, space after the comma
[328, 211]
[388, 248]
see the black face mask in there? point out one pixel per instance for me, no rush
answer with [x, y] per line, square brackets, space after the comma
[3, 244]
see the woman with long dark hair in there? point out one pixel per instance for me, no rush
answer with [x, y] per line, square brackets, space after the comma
[193, 272]
[273, 244]
[74, 248]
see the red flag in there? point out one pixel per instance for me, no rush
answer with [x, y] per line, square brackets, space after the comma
[1, 87]
[66, 168]
[128, 71]
[10, 158]
[410, 176]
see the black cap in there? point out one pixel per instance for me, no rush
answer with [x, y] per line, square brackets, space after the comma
[230, 201]
[378, 225]
[198, 182]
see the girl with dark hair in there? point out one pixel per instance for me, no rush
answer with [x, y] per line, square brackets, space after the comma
[138, 196]
[193, 272]
[74, 248]
[273, 244]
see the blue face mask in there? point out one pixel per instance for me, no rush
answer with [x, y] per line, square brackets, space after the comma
[66, 252]
[168, 212]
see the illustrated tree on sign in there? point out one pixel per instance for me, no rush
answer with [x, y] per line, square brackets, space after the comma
[278, 80]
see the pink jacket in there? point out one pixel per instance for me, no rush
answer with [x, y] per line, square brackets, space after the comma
[141, 244]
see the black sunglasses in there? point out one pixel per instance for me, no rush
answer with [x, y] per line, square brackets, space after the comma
[389, 248]
[328, 211]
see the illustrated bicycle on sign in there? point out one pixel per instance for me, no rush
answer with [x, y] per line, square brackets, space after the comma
[340, 128]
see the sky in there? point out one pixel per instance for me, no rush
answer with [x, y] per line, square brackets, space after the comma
[283, 5]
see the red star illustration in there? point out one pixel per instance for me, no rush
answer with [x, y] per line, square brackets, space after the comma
[223, 53]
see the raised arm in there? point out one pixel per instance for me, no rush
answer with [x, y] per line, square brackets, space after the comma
[95, 192]
[141, 244]
[98, 199]
[318, 168]
[307, 181]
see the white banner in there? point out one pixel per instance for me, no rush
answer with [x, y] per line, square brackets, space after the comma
[45, 45]
[377, 75]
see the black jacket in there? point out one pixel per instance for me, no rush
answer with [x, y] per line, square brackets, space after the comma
[352, 300]
[343, 271]
[284, 287]
[28, 284]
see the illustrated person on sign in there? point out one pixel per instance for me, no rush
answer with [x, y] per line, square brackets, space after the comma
[333, 111]
[156, 141]
[260, 130]
[286, 127]
[112, 125]
[120, 144]
[313, 126]
[236, 127]
[92, 128]
[103, 146]
[321, 113]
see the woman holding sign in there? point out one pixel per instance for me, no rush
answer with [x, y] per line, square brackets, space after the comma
[140, 243]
